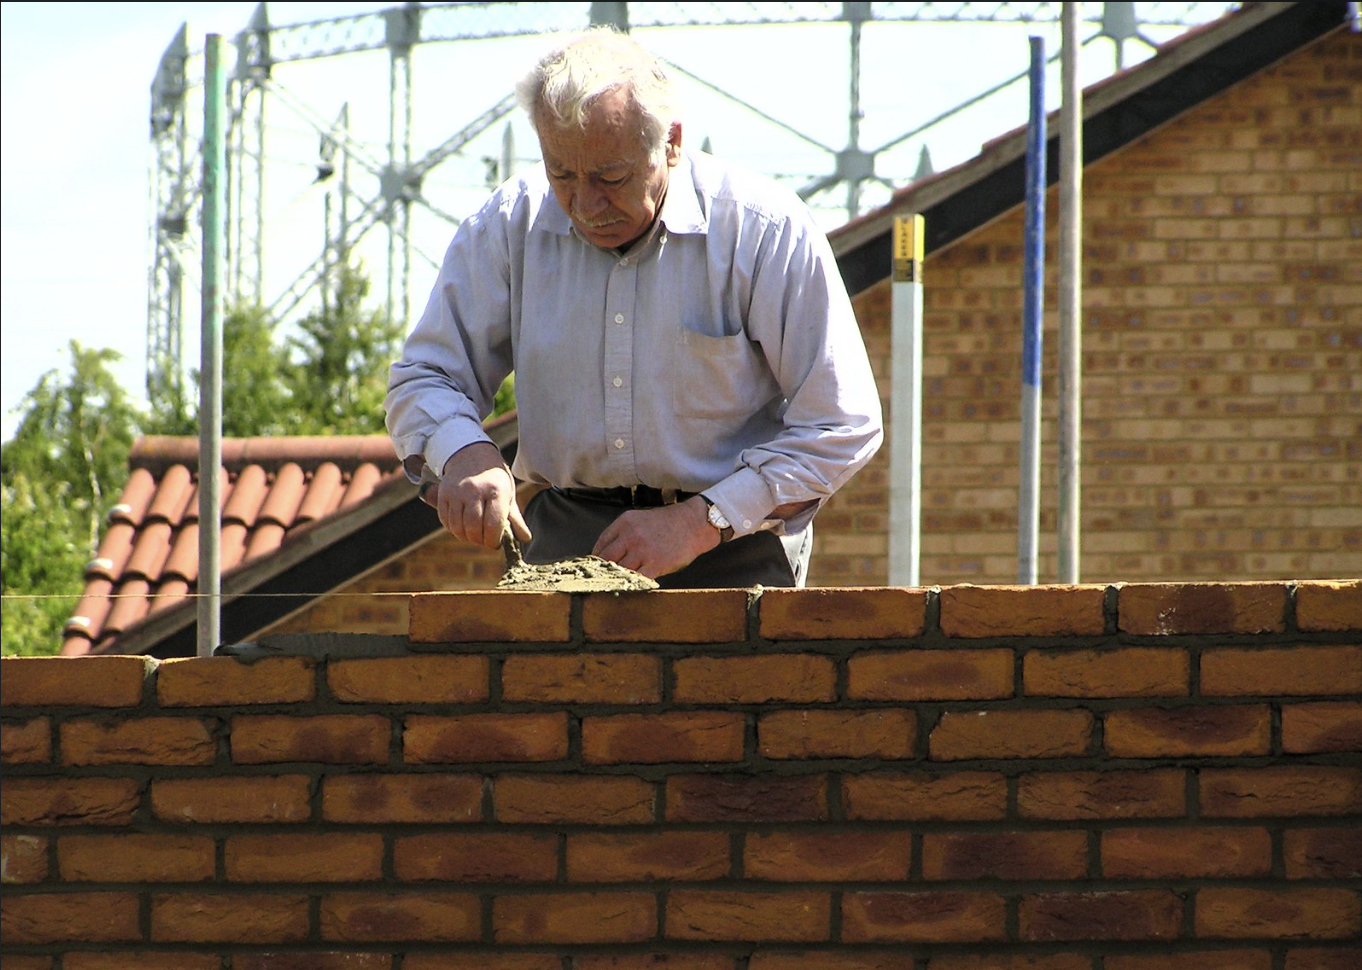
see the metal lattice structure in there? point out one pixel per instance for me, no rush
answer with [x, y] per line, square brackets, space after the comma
[370, 190]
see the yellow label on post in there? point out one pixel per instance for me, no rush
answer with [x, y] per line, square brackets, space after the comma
[907, 249]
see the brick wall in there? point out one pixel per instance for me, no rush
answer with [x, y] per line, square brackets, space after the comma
[1052, 778]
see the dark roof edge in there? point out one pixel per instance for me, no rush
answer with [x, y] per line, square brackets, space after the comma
[311, 562]
[1116, 112]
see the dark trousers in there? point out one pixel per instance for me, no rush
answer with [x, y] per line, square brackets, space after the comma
[567, 528]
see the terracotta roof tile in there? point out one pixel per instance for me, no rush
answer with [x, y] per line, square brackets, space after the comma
[148, 557]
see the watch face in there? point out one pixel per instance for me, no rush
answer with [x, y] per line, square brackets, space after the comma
[717, 518]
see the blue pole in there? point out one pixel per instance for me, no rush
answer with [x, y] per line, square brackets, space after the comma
[1033, 312]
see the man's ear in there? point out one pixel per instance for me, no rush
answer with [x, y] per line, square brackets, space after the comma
[674, 144]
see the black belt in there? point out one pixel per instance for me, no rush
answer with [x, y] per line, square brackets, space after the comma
[627, 496]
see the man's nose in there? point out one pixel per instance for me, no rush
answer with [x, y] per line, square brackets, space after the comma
[587, 199]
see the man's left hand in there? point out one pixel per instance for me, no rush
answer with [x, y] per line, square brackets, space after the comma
[658, 541]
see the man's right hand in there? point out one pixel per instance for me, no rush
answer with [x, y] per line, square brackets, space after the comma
[476, 497]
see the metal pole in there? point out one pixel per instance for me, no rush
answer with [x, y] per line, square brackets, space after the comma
[905, 404]
[1070, 299]
[1033, 310]
[210, 382]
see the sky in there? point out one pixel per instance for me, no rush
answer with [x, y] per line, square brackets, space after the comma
[76, 158]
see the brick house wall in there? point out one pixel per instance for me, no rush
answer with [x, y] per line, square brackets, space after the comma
[1222, 348]
[1135, 777]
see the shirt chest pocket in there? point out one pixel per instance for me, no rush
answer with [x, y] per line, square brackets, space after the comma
[719, 377]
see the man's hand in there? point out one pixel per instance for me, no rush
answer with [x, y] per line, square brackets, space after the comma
[659, 541]
[476, 497]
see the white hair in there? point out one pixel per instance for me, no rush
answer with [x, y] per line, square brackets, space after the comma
[567, 81]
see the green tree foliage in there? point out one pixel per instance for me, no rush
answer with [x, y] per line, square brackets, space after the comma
[338, 372]
[67, 463]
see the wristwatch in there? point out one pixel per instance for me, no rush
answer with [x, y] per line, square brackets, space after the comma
[718, 520]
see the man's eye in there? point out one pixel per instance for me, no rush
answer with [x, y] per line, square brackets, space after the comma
[616, 180]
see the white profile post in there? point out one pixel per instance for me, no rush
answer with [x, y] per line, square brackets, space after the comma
[905, 405]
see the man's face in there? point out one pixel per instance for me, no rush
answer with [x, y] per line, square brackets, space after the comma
[609, 187]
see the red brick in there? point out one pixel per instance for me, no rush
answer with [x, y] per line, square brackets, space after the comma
[304, 857]
[13, 962]
[24, 859]
[494, 616]
[647, 856]
[149, 960]
[963, 735]
[746, 798]
[401, 917]
[1156, 793]
[840, 959]
[575, 918]
[889, 734]
[28, 743]
[1193, 960]
[793, 678]
[1280, 791]
[702, 914]
[930, 675]
[73, 681]
[213, 681]
[1004, 855]
[1333, 958]
[1323, 853]
[678, 736]
[227, 799]
[1152, 914]
[307, 961]
[476, 857]
[68, 801]
[956, 796]
[848, 613]
[667, 616]
[933, 917]
[1154, 609]
[131, 857]
[248, 918]
[564, 799]
[656, 961]
[1274, 914]
[605, 678]
[1022, 611]
[31, 920]
[879, 856]
[1015, 961]
[333, 739]
[401, 799]
[1322, 727]
[422, 679]
[1329, 606]
[1278, 672]
[484, 961]
[1186, 853]
[464, 738]
[141, 741]
[1114, 672]
[1155, 732]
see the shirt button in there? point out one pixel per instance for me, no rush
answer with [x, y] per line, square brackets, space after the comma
[624, 262]
[617, 382]
[619, 318]
[747, 523]
[619, 443]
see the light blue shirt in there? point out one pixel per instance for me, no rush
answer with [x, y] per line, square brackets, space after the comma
[718, 354]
